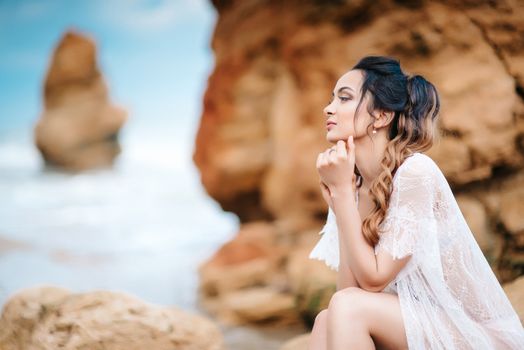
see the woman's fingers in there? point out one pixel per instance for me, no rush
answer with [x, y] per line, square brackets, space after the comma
[341, 148]
[351, 149]
[322, 160]
[318, 160]
[331, 154]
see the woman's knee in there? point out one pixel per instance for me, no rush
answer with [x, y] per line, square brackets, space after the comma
[321, 317]
[349, 302]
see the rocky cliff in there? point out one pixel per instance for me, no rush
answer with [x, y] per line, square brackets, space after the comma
[276, 63]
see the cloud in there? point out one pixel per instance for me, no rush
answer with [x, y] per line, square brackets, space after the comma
[151, 16]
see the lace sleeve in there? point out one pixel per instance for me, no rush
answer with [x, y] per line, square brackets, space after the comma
[327, 247]
[410, 211]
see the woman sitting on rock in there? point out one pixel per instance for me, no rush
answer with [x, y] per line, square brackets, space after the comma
[410, 274]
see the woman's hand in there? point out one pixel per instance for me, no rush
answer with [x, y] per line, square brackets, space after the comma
[326, 194]
[336, 167]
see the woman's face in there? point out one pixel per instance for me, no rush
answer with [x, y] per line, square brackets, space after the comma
[341, 110]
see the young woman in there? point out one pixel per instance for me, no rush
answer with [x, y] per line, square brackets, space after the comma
[410, 273]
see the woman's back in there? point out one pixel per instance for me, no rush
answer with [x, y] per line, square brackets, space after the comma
[451, 297]
[468, 275]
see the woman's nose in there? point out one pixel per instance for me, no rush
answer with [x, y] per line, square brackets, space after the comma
[328, 111]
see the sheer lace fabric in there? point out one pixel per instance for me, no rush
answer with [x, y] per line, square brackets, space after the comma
[448, 293]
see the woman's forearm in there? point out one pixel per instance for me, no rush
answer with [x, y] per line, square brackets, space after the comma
[345, 277]
[355, 252]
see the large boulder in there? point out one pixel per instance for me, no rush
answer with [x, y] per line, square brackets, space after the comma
[515, 292]
[311, 281]
[244, 282]
[251, 258]
[54, 318]
[299, 342]
[79, 126]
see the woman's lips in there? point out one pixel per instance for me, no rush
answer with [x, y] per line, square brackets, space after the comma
[329, 125]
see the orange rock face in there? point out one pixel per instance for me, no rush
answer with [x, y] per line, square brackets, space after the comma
[277, 63]
[79, 127]
[262, 124]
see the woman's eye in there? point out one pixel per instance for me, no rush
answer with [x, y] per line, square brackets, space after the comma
[340, 97]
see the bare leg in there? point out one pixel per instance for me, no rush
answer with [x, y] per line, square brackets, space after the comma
[358, 319]
[318, 339]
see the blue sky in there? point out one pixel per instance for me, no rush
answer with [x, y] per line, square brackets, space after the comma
[154, 55]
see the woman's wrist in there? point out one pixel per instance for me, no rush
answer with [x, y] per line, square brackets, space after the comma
[344, 200]
[342, 192]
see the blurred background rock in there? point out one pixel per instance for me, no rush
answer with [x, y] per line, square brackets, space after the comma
[167, 149]
[79, 128]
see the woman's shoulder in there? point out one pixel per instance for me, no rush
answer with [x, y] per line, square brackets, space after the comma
[418, 165]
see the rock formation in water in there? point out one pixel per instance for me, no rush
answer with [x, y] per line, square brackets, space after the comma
[262, 126]
[79, 126]
[54, 318]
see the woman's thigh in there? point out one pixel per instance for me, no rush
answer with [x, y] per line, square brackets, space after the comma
[379, 312]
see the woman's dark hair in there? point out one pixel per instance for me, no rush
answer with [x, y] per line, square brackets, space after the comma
[415, 104]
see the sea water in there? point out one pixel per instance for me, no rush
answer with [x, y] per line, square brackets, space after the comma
[141, 227]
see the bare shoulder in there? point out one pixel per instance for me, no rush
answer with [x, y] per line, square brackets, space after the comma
[418, 165]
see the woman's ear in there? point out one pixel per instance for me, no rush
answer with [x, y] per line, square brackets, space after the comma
[385, 117]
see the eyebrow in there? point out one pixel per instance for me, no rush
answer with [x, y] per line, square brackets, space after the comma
[342, 88]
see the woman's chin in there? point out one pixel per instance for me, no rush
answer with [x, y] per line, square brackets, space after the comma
[333, 138]
[331, 135]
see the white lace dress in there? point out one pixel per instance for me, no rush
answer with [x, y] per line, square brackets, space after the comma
[448, 293]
